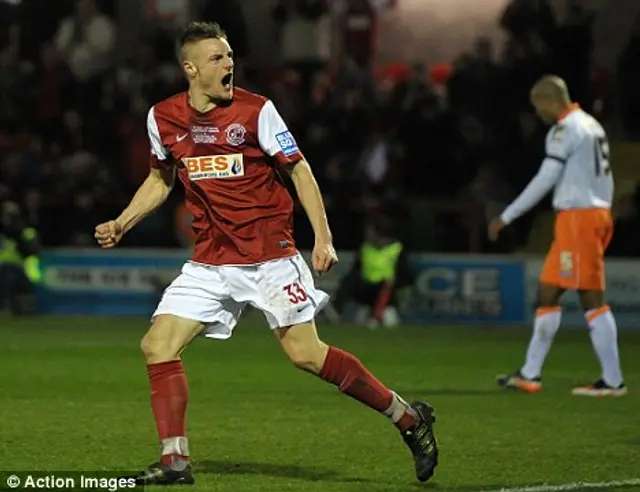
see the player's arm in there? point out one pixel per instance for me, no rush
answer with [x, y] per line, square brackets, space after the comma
[276, 141]
[324, 254]
[150, 196]
[311, 199]
[546, 178]
[153, 192]
[558, 148]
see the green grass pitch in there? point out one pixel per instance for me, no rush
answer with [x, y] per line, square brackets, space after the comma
[74, 396]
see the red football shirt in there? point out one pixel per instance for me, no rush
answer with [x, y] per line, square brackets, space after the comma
[227, 160]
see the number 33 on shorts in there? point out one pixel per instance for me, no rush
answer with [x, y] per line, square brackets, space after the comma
[295, 292]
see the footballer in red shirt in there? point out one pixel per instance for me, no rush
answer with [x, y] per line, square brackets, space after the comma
[226, 145]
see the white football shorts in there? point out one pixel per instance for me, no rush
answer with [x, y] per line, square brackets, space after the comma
[282, 289]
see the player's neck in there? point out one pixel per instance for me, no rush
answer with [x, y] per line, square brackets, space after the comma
[200, 101]
[564, 112]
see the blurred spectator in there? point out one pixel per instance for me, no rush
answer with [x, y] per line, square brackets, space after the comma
[573, 51]
[491, 191]
[477, 84]
[19, 258]
[629, 81]
[143, 76]
[15, 83]
[379, 272]
[229, 14]
[416, 89]
[624, 242]
[53, 88]
[357, 21]
[379, 156]
[523, 19]
[305, 37]
[86, 41]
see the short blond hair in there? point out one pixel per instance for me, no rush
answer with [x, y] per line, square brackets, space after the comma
[552, 87]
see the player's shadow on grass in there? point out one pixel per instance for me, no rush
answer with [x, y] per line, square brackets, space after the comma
[276, 470]
[455, 392]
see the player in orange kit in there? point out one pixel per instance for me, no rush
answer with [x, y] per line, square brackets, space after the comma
[577, 167]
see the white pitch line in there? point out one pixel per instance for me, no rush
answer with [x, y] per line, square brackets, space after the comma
[570, 486]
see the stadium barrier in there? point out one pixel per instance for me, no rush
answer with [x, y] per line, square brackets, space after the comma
[459, 289]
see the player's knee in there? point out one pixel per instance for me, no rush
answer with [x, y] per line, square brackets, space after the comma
[168, 337]
[548, 296]
[303, 346]
[590, 299]
[307, 355]
[156, 348]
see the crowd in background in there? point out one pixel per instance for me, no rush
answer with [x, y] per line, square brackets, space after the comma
[438, 155]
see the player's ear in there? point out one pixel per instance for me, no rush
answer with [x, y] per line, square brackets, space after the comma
[189, 68]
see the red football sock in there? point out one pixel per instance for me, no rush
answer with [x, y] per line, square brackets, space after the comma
[169, 394]
[353, 379]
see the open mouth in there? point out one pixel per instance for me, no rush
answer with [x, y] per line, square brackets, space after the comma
[227, 81]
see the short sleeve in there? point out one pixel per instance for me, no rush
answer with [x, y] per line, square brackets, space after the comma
[275, 138]
[159, 154]
[558, 144]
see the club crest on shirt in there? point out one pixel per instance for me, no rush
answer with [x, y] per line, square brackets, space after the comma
[558, 133]
[236, 134]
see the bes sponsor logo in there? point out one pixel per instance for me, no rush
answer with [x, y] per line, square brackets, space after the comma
[214, 166]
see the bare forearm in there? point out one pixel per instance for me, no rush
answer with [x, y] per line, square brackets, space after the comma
[311, 199]
[150, 196]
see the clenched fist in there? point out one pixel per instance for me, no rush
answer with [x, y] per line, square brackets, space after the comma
[108, 234]
[323, 258]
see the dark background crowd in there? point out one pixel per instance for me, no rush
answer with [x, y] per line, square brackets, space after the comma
[438, 154]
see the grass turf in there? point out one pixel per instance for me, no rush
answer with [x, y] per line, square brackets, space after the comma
[74, 396]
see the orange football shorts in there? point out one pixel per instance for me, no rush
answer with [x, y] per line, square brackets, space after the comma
[575, 260]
